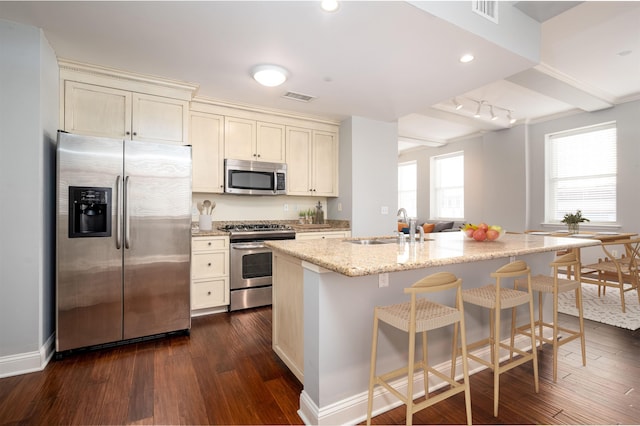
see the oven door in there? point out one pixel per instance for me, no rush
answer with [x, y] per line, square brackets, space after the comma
[250, 264]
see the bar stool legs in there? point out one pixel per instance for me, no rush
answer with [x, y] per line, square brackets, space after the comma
[495, 298]
[419, 316]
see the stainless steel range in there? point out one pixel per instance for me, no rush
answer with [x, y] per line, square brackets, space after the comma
[251, 262]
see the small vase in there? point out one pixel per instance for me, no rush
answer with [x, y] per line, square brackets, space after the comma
[574, 228]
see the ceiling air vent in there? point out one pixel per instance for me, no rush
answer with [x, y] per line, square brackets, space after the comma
[298, 97]
[488, 9]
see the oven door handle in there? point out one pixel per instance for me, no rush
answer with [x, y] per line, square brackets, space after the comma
[248, 246]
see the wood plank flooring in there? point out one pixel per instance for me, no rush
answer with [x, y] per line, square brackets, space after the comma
[226, 373]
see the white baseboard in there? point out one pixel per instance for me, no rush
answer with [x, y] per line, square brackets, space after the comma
[28, 362]
[353, 410]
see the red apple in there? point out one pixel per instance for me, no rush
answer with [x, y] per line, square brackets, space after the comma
[483, 226]
[479, 235]
[492, 234]
[469, 232]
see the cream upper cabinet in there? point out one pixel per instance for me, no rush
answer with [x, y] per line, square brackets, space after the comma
[207, 141]
[312, 162]
[253, 140]
[108, 112]
[270, 142]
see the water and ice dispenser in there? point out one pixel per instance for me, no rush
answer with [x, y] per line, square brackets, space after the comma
[89, 212]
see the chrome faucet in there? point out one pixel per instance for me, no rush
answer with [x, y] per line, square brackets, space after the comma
[404, 214]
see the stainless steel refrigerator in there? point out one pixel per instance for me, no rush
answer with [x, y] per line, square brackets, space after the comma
[123, 240]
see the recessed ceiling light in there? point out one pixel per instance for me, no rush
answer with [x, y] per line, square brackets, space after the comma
[466, 58]
[329, 5]
[269, 75]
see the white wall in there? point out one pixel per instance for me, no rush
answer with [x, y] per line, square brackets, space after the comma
[373, 178]
[28, 119]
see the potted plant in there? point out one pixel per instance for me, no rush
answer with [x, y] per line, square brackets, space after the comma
[573, 221]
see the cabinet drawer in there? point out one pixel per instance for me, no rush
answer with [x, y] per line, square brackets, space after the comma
[210, 293]
[205, 265]
[207, 244]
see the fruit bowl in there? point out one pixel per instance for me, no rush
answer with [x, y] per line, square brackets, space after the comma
[482, 232]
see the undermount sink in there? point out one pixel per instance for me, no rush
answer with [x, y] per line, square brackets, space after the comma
[373, 241]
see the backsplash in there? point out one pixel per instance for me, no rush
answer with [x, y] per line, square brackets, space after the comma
[255, 207]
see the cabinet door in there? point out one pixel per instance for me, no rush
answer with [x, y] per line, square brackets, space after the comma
[270, 145]
[159, 119]
[298, 161]
[97, 111]
[239, 138]
[324, 166]
[207, 133]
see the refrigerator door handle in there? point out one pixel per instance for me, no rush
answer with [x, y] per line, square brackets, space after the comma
[127, 220]
[119, 212]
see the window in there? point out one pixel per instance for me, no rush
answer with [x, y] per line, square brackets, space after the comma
[581, 173]
[407, 187]
[447, 186]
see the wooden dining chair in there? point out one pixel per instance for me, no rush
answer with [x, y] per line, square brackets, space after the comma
[619, 269]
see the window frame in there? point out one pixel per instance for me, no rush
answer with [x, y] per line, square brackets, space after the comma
[409, 209]
[434, 190]
[552, 215]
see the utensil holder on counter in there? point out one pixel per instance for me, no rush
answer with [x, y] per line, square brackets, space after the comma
[204, 222]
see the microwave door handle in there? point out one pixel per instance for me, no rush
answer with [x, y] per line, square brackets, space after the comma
[275, 182]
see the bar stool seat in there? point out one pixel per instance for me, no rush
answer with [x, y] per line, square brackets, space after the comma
[495, 297]
[554, 284]
[420, 315]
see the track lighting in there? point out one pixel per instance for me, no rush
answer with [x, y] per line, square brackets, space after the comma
[477, 114]
[495, 112]
[493, 116]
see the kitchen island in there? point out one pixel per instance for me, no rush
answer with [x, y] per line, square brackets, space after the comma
[325, 292]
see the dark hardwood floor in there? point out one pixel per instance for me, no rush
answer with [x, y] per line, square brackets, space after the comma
[226, 373]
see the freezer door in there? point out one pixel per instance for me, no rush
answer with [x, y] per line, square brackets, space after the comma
[157, 238]
[89, 264]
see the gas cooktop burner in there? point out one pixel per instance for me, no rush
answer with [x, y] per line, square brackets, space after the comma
[255, 227]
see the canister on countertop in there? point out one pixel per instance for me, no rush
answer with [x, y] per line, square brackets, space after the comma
[319, 216]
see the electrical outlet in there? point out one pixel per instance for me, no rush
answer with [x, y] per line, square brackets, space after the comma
[614, 253]
[384, 210]
[286, 207]
[383, 280]
[339, 207]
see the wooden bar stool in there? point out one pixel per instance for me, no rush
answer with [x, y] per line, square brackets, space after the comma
[422, 315]
[495, 298]
[555, 285]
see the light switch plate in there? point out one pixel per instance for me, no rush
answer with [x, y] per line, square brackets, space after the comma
[383, 280]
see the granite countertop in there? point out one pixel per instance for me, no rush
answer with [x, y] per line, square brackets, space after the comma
[440, 249]
[330, 225]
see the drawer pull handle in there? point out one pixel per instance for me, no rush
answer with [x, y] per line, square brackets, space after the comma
[208, 293]
[209, 243]
[209, 264]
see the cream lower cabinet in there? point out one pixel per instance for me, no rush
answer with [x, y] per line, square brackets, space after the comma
[209, 272]
[322, 235]
[207, 144]
[312, 162]
[287, 312]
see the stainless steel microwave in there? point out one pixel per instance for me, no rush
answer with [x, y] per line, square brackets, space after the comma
[254, 177]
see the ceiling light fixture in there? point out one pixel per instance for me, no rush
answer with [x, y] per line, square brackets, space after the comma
[468, 57]
[493, 116]
[329, 5]
[477, 114]
[495, 112]
[269, 75]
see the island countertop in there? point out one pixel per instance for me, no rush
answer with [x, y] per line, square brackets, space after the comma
[439, 249]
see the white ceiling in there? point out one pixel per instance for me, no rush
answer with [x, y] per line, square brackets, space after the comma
[385, 60]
